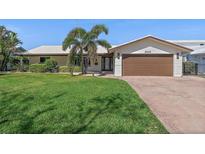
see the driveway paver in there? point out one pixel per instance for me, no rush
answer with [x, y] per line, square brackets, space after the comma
[179, 103]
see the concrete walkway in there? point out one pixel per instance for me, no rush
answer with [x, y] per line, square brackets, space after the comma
[179, 103]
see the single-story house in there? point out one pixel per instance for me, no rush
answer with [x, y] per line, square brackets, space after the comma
[147, 56]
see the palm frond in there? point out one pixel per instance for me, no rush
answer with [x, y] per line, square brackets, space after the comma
[77, 33]
[3, 31]
[98, 29]
[11, 42]
[104, 43]
[14, 39]
[69, 42]
[73, 37]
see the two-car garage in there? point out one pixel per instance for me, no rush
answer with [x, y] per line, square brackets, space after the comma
[148, 56]
[147, 65]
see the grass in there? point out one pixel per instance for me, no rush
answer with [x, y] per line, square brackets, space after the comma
[49, 103]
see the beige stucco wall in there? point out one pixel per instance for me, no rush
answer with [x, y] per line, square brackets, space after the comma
[144, 46]
[61, 60]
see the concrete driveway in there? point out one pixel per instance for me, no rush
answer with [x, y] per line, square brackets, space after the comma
[179, 103]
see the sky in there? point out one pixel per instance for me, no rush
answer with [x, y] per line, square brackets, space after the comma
[34, 33]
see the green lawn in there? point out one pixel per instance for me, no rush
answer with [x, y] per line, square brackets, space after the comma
[49, 103]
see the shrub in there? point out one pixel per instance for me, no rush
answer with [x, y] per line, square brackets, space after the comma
[64, 69]
[68, 69]
[77, 69]
[51, 65]
[37, 68]
[189, 67]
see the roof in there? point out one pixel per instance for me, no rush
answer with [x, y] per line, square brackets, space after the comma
[198, 51]
[55, 50]
[46, 50]
[155, 38]
[198, 46]
[187, 41]
[186, 45]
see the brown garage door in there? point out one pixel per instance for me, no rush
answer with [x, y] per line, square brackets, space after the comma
[147, 65]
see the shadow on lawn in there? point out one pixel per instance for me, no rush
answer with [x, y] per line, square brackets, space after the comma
[21, 111]
[113, 104]
[27, 121]
[2, 73]
[86, 114]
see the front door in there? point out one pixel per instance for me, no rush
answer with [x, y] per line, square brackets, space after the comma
[107, 64]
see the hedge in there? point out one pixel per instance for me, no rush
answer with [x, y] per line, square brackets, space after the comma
[189, 68]
[37, 68]
[77, 69]
[64, 69]
[67, 69]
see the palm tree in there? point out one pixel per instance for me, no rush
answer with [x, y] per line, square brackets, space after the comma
[9, 44]
[82, 42]
[75, 41]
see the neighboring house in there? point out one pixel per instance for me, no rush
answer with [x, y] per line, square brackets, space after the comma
[147, 56]
[198, 55]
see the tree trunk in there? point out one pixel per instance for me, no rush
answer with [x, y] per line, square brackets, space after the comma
[82, 61]
[4, 62]
[71, 70]
[86, 64]
[21, 65]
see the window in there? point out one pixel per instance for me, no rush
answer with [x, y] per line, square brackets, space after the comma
[43, 59]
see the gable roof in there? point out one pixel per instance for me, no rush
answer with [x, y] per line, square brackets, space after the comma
[186, 49]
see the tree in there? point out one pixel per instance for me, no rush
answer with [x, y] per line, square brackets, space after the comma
[84, 43]
[20, 63]
[9, 43]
